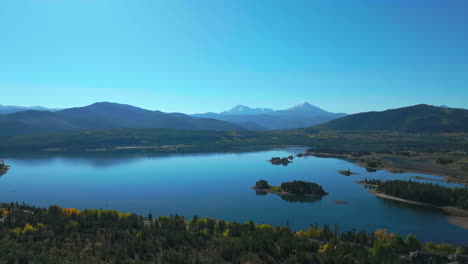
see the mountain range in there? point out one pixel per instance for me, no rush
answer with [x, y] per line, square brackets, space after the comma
[417, 118]
[8, 109]
[245, 110]
[300, 116]
[103, 116]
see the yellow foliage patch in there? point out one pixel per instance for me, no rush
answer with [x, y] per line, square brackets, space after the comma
[27, 228]
[382, 236]
[17, 230]
[312, 232]
[124, 215]
[70, 211]
[266, 227]
[5, 213]
[323, 249]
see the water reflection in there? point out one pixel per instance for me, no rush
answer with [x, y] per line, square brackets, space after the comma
[408, 206]
[110, 159]
[293, 198]
[300, 199]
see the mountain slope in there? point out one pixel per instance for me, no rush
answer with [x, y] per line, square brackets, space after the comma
[9, 109]
[300, 116]
[417, 118]
[302, 109]
[103, 116]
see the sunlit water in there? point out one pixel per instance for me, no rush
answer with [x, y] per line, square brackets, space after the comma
[219, 186]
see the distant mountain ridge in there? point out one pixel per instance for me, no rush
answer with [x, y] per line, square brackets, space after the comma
[245, 110]
[304, 107]
[104, 115]
[299, 116]
[417, 118]
[9, 109]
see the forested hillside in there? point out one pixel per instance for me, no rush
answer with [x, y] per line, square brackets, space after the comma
[417, 118]
[104, 116]
[59, 235]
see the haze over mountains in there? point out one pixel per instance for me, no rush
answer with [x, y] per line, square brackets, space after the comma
[245, 110]
[8, 109]
[300, 116]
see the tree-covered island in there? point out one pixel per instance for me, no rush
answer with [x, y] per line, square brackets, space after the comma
[3, 167]
[347, 172]
[297, 188]
[371, 183]
[281, 161]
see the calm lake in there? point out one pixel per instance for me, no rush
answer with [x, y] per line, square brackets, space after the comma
[219, 186]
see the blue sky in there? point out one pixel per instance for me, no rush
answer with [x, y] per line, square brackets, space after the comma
[198, 56]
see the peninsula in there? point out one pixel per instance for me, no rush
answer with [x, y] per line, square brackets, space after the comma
[452, 201]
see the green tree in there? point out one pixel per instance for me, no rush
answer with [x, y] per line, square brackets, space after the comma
[412, 242]
[262, 184]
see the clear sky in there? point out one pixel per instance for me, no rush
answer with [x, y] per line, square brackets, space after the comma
[198, 56]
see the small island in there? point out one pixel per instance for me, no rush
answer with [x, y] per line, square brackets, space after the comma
[281, 161]
[294, 188]
[347, 172]
[339, 202]
[3, 167]
[371, 183]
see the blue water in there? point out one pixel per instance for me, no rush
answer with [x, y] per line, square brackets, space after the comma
[219, 186]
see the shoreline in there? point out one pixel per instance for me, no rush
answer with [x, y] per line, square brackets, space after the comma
[422, 164]
[417, 177]
[454, 215]
[367, 184]
[150, 149]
